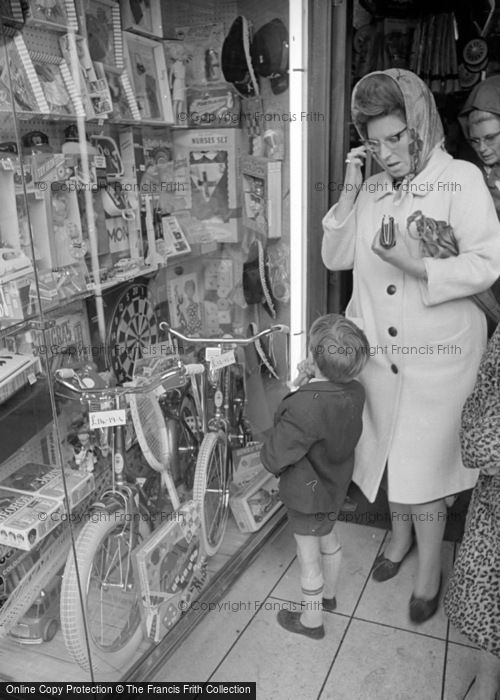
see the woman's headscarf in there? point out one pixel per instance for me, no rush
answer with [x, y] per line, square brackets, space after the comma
[485, 97]
[422, 118]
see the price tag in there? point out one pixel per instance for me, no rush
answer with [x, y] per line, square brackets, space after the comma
[107, 419]
[227, 358]
[211, 352]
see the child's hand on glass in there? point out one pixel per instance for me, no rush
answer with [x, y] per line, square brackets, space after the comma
[306, 371]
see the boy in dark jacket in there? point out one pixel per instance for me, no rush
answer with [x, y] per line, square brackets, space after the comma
[311, 450]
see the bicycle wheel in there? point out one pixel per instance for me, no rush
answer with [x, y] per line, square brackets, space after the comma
[111, 596]
[211, 489]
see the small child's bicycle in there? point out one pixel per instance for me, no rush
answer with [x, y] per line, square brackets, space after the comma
[225, 426]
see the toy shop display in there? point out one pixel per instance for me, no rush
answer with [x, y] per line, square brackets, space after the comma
[101, 22]
[212, 157]
[89, 78]
[200, 95]
[253, 503]
[142, 16]
[57, 85]
[20, 87]
[145, 61]
[51, 14]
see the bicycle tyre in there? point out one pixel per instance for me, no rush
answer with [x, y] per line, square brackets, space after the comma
[90, 543]
[211, 489]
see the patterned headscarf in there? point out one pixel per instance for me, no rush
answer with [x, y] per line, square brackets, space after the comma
[423, 121]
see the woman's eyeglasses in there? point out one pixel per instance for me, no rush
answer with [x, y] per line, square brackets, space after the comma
[391, 142]
[488, 140]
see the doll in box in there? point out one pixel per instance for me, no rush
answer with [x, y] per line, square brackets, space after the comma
[179, 57]
[68, 242]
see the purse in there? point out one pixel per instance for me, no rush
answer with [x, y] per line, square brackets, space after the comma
[437, 240]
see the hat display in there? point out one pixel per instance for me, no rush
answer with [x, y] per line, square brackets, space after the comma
[236, 62]
[269, 53]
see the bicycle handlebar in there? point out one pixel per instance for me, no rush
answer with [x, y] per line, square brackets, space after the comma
[278, 328]
[174, 377]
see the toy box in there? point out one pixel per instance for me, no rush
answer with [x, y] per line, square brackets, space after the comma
[252, 504]
[246, 464]
[46, 481]
[26, 519]
[211, 188]
[213, 106]
[261, 207]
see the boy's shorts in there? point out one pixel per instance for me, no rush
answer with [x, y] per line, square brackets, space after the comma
[313, 524]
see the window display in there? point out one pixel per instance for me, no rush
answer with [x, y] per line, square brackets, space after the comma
[128, 378]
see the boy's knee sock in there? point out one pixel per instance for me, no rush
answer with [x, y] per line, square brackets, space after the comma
[331, 562]
[312, 595]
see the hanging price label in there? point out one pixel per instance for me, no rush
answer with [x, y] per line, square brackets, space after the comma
[227, 358]
[107, 419]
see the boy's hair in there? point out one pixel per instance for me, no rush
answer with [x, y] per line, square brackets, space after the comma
[339, 348]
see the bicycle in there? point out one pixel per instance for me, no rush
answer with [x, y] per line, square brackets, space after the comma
[101, 593]
[226, 429]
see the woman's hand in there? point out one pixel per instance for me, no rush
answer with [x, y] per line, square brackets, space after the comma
[353, 180]
[353, 176]
[399, 255]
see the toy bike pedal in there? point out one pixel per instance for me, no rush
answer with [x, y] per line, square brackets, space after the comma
[387, 235]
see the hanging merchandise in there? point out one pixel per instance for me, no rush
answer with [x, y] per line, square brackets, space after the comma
[269, 53]
[475, 51]
[236, 60]
[265, 351]
[256, 281]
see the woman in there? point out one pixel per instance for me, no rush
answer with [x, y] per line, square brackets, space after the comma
[426, 335]
[473, 598]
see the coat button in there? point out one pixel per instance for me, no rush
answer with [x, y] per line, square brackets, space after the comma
[392, 331]
[394, 369]
[391, 289]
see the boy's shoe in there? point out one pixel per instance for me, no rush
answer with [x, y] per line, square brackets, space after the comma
[291, 622]
[329, 604]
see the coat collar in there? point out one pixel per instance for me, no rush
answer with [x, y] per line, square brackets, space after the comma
[421, 183]
[323, 386]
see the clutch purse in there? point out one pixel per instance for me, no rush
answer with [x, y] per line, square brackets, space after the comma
[437, 240]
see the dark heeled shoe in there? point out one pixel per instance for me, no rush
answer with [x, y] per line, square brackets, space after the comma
[422, 609]
[384, 569]
[291, 622]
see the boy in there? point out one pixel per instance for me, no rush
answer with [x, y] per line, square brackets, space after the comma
[311, 450]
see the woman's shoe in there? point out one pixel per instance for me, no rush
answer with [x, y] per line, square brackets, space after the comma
[291, 622]
[384, 569]
[422, 609]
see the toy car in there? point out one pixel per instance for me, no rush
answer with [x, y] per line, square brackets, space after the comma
[41, 621]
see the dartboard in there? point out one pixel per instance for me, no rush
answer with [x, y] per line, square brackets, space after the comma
[133, 327]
